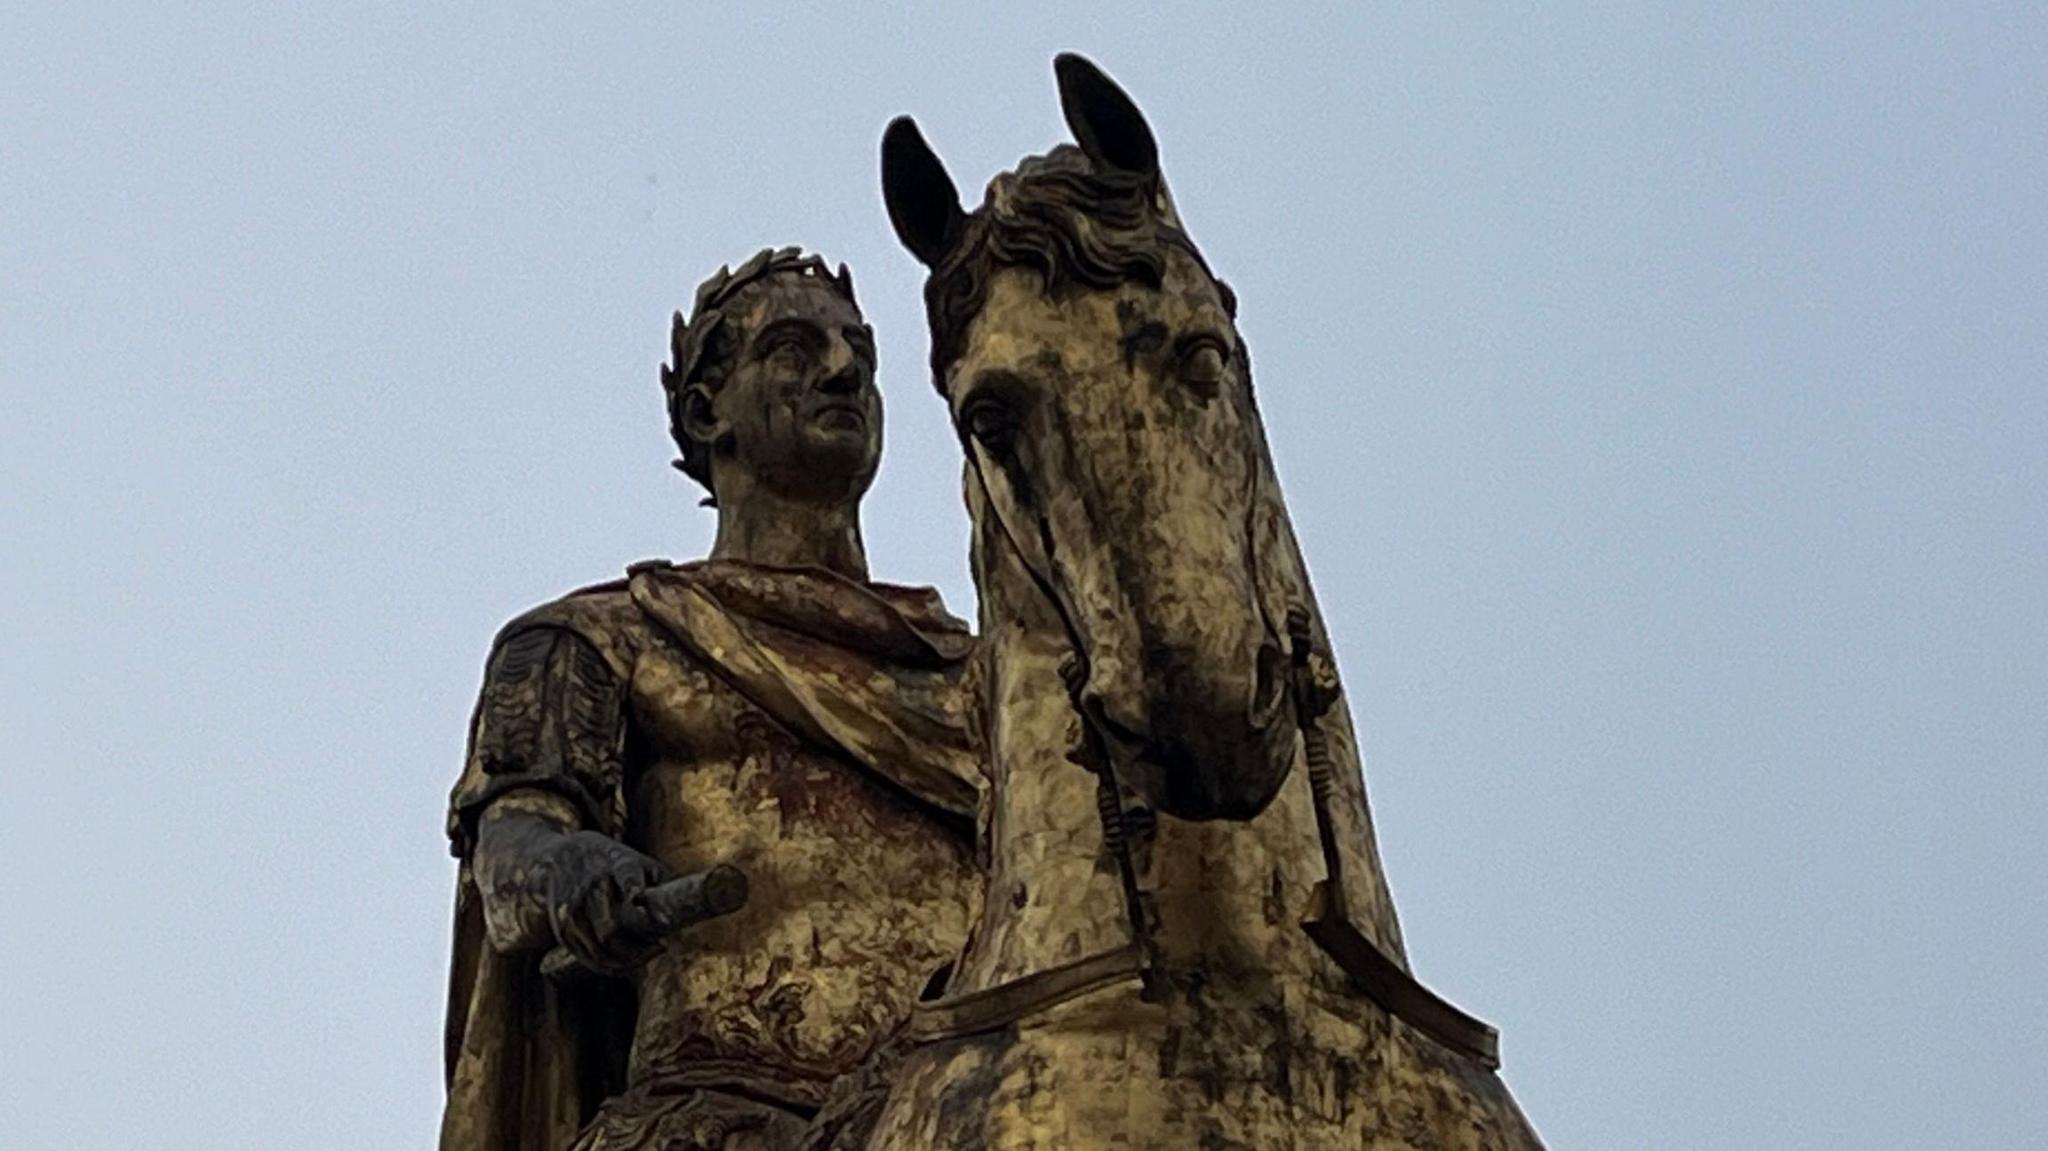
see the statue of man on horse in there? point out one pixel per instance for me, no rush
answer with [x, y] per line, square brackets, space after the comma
[1178, 933]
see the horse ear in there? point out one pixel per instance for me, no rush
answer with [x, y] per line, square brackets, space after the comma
[1104, 120]
[924, 206]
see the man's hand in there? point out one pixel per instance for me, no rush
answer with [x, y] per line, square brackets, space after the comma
[592, 885]
[545, 883]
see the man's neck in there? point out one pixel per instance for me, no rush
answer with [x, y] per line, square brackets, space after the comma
[764, 527]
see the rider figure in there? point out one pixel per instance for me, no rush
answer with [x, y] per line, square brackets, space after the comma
[771, 708]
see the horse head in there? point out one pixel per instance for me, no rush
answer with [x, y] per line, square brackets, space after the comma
[1093, 368]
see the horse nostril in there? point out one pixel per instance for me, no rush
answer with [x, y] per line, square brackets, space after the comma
[1269, 683]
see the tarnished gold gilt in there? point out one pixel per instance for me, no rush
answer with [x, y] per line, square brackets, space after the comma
[1126, 513]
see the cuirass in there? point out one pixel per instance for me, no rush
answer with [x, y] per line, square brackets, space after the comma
[857, 893]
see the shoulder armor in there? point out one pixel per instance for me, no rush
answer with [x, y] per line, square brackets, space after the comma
[602, 615]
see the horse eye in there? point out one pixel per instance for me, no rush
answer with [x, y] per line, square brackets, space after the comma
[1203, 367]
[992, 424]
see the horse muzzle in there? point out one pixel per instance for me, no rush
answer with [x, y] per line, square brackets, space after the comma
[1196, 738]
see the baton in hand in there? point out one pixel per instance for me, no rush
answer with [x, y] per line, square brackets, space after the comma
[717, 890]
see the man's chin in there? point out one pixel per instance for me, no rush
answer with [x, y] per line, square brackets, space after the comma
[836, 466]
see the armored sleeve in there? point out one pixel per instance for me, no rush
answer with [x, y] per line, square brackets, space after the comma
[552, 717]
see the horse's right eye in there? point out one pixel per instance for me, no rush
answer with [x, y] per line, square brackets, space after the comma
[992, 424]
[1203, 364]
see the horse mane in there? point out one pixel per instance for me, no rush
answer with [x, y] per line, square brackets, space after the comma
[1074, 222]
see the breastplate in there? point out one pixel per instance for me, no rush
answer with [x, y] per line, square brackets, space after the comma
[856, 894]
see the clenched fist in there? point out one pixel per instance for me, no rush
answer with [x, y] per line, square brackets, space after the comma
[544, 885]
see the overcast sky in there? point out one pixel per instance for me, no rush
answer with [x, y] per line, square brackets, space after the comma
[1662, 402]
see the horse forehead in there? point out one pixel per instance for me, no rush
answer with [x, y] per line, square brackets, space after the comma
[1019, 302]
[1020, 321]
[1020, 326]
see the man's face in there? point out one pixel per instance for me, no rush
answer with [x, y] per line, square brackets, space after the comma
[799, 407]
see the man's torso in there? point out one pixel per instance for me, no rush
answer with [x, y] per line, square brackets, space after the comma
[858, 892]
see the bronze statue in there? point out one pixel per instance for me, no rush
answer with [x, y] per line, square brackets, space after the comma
[767, 736]
[1186, 938]
[720, 820]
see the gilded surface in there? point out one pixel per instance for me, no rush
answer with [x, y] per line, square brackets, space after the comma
[1100, 811]
[857, 895]
[1127, 519]
[771, 709]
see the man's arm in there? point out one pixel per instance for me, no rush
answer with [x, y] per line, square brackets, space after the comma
[538, 807]
[546, 883]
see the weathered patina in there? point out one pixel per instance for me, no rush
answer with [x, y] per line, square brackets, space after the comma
[1132, 814]
[770, 709]
[1166, 956]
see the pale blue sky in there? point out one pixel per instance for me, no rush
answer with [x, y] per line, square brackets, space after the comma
[1662, 400]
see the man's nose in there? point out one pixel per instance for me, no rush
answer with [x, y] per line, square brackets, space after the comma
[842, 370]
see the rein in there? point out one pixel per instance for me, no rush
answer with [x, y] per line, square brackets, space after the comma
[1314, 687]
[987, 1009]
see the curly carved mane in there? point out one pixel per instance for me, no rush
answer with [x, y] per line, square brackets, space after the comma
[1074, 223]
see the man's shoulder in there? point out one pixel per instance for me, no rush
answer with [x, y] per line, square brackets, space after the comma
[603, 614]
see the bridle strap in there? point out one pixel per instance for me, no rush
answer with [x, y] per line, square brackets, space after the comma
[1315, 688]
[1116, 831]
[1139, 957]
[1094, 751]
